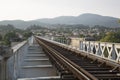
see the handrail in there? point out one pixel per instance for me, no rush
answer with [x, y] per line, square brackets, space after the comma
[86, 53]
[108, 51]
[18, 46]
[104, 50]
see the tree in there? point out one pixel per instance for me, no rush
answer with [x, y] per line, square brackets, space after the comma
[81, 35]
[27, 34]
[0, 37]
[112, 37]
[119, 21]
[9, 37]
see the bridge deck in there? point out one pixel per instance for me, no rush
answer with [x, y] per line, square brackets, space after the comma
[83, 66]
[36, 64]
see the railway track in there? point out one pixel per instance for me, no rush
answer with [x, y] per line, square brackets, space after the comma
[78, 65]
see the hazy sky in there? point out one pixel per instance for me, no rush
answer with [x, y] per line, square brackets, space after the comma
[35, 9]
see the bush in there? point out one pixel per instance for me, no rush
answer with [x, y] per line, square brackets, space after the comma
[112, 37]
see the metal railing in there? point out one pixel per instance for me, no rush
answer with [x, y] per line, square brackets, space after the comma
[104, 50]
[108, 51]
[104, 54]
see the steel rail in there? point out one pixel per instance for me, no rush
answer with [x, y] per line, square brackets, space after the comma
[91, 66]
[75, 69]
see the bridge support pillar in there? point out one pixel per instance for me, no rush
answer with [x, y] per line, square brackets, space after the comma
[0, 68]
[3, 69]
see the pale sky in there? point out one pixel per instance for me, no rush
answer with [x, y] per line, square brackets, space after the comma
[35, 9]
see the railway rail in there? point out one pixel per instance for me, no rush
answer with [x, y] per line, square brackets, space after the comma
[77, 65]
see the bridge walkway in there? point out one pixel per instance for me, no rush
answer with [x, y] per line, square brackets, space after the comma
[49, 60]
[36, 64]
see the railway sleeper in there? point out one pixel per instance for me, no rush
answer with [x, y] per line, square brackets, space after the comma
[68, 76]
[107, 76]
[97, 69]
[89, 66]
[103, 72]
[84, 63]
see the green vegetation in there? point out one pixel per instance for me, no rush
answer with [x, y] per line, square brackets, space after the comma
[9, 37]
[99, 37]
[112, 37]
[35, 27]
[8, 27]
[62, 39]
[61, 32]
[8, 34]
[27, 34]
[0, 37]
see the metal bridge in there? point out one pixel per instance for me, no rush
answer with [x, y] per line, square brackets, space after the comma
[42, 59]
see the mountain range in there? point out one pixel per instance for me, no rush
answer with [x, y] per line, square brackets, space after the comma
[85, 19]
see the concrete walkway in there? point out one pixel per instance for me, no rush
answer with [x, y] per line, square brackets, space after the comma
[36, 64]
